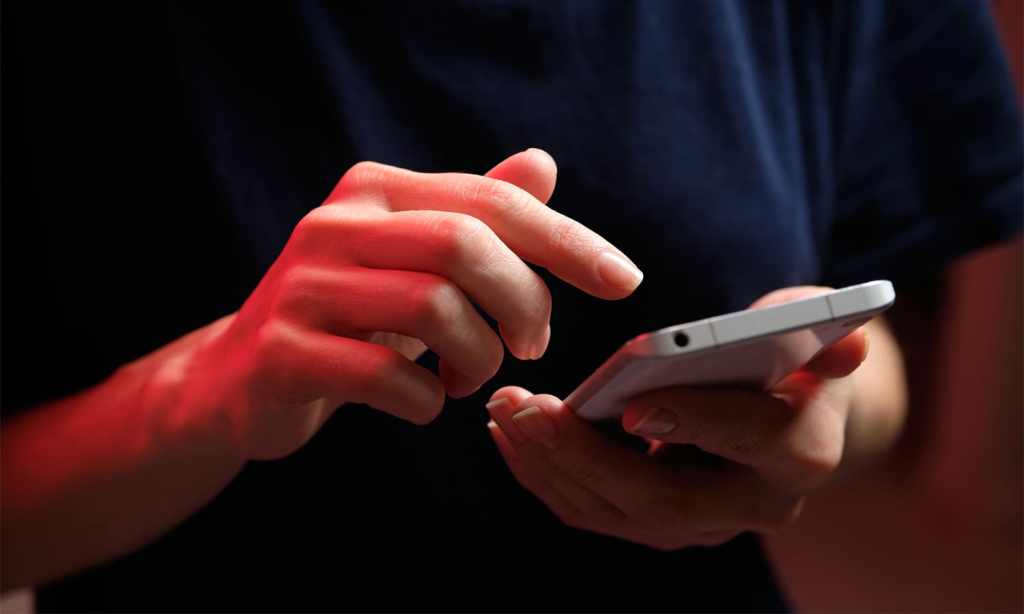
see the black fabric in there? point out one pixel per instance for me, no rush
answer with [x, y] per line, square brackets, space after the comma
[156, 159]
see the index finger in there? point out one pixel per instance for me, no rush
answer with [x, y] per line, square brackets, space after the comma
[535, 232]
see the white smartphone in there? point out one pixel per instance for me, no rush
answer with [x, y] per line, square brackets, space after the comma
[751, 348]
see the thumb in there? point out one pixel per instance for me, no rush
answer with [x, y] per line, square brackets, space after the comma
[842, 357]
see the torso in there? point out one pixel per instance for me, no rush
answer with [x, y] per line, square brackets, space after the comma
[693, 136]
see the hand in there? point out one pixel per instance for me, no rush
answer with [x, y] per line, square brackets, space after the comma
[387, 266]
[778, 446]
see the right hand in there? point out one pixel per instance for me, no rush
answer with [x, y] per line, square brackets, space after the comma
[386, 267]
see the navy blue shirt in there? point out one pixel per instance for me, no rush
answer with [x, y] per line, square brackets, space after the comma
[729, 148]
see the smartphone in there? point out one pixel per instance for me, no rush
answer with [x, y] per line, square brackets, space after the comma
[754, 348]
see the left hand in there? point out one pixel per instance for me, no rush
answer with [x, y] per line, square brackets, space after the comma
[779, 445]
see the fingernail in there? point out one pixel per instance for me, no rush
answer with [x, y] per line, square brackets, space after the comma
[497, 409]
[616, 271]
[537, 426]
[496, 403]
[538, 350]
[655, 422]
[519, 346]
[510, 450]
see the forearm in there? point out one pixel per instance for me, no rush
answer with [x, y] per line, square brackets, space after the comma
[98, 474]
[937, 526]
[971, 455]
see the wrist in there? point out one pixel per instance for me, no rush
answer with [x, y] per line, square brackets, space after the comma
[181, 404]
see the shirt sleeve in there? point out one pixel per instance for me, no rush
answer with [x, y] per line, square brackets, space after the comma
[928, 140]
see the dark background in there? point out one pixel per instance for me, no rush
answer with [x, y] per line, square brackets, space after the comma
[68, 177]
[72, 172]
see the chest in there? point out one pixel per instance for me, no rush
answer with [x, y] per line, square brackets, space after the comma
[696, 136]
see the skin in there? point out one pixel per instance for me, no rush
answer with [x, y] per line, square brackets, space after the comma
[130, 458]
[947, 502]
[338, 318]
[782, 444]
[939, 490]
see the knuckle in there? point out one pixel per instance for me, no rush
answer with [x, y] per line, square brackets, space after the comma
[814, 458]
[463, 240]
[273, 348]
[361, 177]
[502, 195]
[298, 285]
[272, 337]
[315, 223]
[437, 304]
